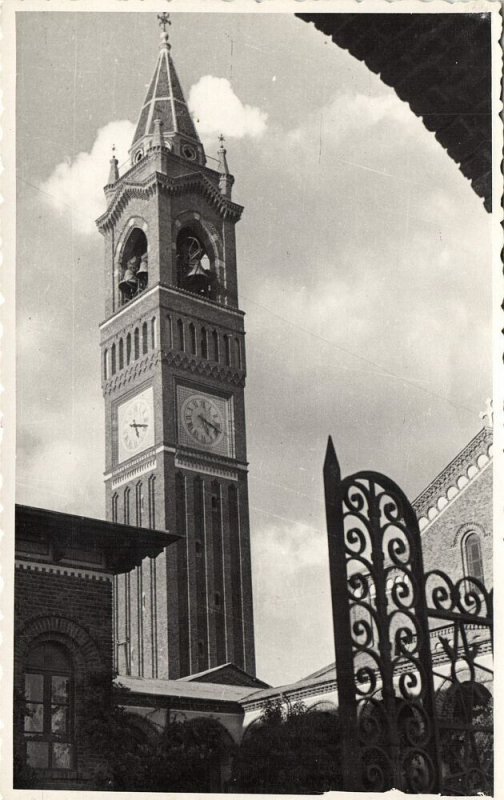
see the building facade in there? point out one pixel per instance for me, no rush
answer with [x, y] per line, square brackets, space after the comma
[65, 568]
[173, 366]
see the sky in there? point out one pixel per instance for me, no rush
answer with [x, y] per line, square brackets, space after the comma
[363, 264]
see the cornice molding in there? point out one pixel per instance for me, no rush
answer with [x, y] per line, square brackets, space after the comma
[131, 372]
[461, 472]
[195, 182]
[203, 367]
[87, 574]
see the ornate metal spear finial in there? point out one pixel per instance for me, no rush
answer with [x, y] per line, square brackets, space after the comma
[221, 139]
[164, 20]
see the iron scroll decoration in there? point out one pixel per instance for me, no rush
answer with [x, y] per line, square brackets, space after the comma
[381, 630]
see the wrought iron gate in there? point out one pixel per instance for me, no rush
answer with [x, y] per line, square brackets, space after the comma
[396, 732]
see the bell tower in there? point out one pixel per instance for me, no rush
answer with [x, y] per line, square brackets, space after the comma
[173, 377]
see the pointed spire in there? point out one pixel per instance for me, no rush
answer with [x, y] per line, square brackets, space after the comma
[226, 179]
[165, 101]
[114, 170]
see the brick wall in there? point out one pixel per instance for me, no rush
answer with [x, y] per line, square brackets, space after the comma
[442, 541]
[75, 612]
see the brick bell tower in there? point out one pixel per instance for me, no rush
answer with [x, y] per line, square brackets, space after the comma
[173, 377]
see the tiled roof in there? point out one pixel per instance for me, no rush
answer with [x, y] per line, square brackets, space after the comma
[191, 690]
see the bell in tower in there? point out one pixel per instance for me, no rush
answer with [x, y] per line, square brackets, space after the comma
[194, 271]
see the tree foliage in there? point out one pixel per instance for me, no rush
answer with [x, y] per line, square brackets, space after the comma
[289, 750]
[184, 757]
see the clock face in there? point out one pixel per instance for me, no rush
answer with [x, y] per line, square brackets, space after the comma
[135, 425]
[203, 420]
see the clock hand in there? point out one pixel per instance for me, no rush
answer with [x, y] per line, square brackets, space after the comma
[207, 421]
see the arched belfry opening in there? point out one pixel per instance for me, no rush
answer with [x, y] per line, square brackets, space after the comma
[134, 267]
[195, 264]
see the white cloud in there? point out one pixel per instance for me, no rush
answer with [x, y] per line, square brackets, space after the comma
[292, 600]
[76, 185]
[217, 109]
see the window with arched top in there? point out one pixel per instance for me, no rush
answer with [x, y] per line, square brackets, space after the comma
[105, 364]
[238, 358]
[139, 503]
[48, 713]
[227, 350]
[192, 338]
[113, 359]
[126, 505]
[169, 332]
[133, 268]
[472, 556]
[153, 333]
[145, 339]
[215, 345]
[195, 268]
[136, 338]
[128, 348]
[115, 503]
[121, 354]
[180, 334]
[204, 343]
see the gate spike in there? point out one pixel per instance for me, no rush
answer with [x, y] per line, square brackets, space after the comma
[331, 464]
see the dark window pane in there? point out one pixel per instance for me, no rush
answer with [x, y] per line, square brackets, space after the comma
[37, 754]
[34, 718]
[62, 755]
[34, 687]
[49, 656]
[59, 689]
[59, 719]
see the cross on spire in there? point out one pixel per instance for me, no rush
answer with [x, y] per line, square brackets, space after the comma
[164, 20]
[221, 139]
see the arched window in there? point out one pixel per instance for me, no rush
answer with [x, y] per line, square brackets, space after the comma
[238, 359]
[128, 348]
[139, 503]
[194, 268]
[153, 332]
[145, 339]
[134, 269]
[473, 560]
[121, 354]
[227, 350]
[105, 364]
[169, 332]
[137, 343]
[48, 718]
[180, 334]
[113, 359]
[204, 343]
[115, 501]
[126, 505]
[152, 501]
[215, 348]
[192, 338]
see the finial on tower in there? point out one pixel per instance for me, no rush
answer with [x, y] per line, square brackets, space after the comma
[114, 171]
[226, 180]
[164, 20]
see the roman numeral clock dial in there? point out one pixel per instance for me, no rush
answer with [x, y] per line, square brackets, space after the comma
[135, 428]
[205, 421]
[202, 420]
